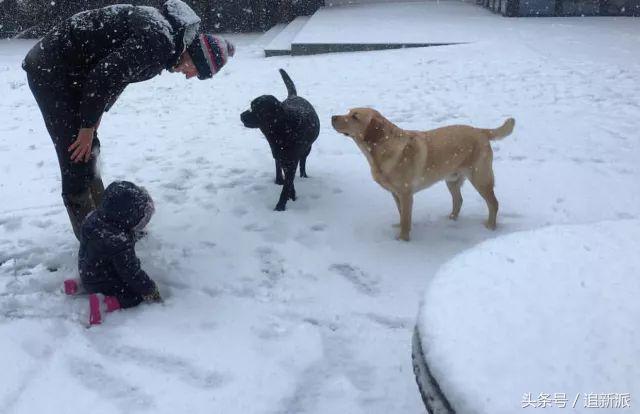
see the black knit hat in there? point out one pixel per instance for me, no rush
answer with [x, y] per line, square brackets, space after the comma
[210, 53]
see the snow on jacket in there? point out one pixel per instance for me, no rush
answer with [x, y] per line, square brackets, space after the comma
[101, 51]
[107, 256]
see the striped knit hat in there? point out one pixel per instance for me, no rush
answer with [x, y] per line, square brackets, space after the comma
[210, 53]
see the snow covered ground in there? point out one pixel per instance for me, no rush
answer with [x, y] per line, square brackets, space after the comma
[310, 310]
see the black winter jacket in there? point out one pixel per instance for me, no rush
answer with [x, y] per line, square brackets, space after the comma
[107, 257]
[101, 51]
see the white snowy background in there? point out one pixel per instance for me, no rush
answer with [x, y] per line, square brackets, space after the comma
[310, 310]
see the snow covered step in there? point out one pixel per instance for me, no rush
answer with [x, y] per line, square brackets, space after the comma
[334, 3]
[281, 44]
[404, 22]
[394, 25]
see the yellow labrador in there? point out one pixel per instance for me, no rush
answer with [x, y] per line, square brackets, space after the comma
[405, 162]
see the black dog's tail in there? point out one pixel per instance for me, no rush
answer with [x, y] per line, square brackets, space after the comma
[291, 88]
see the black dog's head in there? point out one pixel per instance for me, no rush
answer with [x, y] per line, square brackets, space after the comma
[265, 110]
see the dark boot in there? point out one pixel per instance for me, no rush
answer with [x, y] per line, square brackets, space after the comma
[97, 189]
[78, 207]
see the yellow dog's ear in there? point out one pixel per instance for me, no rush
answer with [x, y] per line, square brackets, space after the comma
[374, 131]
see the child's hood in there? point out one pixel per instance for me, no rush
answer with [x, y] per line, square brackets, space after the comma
[126, 204]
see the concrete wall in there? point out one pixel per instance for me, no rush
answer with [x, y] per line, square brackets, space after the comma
[563, 7]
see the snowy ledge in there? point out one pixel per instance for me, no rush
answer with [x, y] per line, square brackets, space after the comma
[546, 317]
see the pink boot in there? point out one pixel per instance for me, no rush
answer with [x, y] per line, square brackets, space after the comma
[71, 286]
[111, 304]
[95, 316]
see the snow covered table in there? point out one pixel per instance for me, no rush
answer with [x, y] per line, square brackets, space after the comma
[541, 319]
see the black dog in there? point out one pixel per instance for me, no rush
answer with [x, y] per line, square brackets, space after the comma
[291, 127]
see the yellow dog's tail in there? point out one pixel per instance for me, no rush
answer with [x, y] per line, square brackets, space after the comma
[504, 131]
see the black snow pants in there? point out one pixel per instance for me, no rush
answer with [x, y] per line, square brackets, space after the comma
[60, 106]
[127, 297]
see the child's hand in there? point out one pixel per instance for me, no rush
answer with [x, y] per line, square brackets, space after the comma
[153, 297]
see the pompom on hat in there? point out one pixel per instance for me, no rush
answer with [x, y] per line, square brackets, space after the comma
[210, 53]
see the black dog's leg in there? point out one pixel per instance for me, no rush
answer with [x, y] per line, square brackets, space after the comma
[292, 173]
[303, 164]
[279, 179]
[288, 190]
[303, 167]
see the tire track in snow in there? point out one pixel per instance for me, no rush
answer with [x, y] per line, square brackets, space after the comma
[339, 362]
[167, 364]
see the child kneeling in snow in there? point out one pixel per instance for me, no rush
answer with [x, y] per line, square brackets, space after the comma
[107, 260]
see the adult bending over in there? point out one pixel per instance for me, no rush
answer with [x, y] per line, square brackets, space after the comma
[78, 70]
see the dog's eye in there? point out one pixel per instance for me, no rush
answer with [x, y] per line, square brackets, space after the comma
[354, 116]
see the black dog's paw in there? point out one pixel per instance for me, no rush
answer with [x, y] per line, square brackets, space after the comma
[304, 175]
[292, 196]
[280, 207]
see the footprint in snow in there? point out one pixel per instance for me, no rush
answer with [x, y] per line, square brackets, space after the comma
[271, 265]
[319, 227]
[11, 223]
[361, 280]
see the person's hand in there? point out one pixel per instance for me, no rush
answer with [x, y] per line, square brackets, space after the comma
[81, 148]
